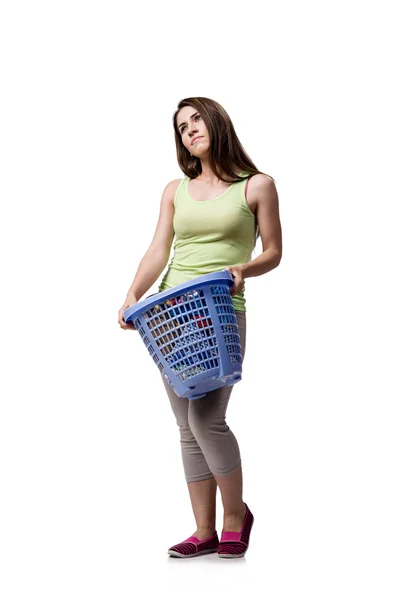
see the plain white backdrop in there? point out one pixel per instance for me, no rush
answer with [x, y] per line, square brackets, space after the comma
[93, 491]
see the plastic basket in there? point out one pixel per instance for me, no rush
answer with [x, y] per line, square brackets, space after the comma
[191, 333]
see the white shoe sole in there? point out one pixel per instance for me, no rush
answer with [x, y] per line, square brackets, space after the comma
[179, 555]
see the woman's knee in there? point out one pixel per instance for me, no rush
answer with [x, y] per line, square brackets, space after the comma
[185, 432]
[206, 430]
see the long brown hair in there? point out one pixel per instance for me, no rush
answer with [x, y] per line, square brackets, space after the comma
[227, 156]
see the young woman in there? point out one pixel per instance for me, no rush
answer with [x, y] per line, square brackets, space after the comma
[217, 212]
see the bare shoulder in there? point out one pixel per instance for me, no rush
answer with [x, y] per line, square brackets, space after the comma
[173, 185]
[261, 187]
[170, 191]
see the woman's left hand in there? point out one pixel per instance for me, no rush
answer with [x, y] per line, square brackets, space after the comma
[239, 280]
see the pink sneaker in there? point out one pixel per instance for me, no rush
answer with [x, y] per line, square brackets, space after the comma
[194, 547]
[234, 544]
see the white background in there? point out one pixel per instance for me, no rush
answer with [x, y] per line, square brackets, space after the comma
[93, 490]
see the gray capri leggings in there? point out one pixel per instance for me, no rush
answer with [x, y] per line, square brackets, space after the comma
[208, 445]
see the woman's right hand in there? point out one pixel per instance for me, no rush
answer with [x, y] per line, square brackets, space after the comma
[129, 301]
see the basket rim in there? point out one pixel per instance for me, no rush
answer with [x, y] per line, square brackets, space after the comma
[224, 276]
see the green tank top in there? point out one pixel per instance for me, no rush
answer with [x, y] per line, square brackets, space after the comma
[210, 236]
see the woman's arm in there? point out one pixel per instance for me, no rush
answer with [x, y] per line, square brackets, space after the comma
[263, 195]
[149, 270]
[266, 201]
[155, 259]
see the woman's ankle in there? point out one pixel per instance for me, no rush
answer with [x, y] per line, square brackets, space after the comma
[233, 521]
[204, 532]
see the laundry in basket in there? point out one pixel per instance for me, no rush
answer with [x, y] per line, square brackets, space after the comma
[191, 332]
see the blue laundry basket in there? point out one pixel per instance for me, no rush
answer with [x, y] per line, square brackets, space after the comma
[191, 332]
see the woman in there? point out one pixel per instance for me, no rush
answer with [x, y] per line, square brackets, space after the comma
[217, 211]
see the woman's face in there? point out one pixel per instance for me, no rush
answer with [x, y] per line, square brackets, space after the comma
[191, 126]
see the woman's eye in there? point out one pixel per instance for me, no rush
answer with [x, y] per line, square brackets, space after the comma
[183, 128]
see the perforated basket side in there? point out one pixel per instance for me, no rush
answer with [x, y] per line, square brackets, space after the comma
[193, 337]
[226, 313]
[183, 333]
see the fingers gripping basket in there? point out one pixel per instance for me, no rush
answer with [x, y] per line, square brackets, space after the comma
[191, 332]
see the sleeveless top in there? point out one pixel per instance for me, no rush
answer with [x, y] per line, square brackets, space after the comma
[210, 236]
